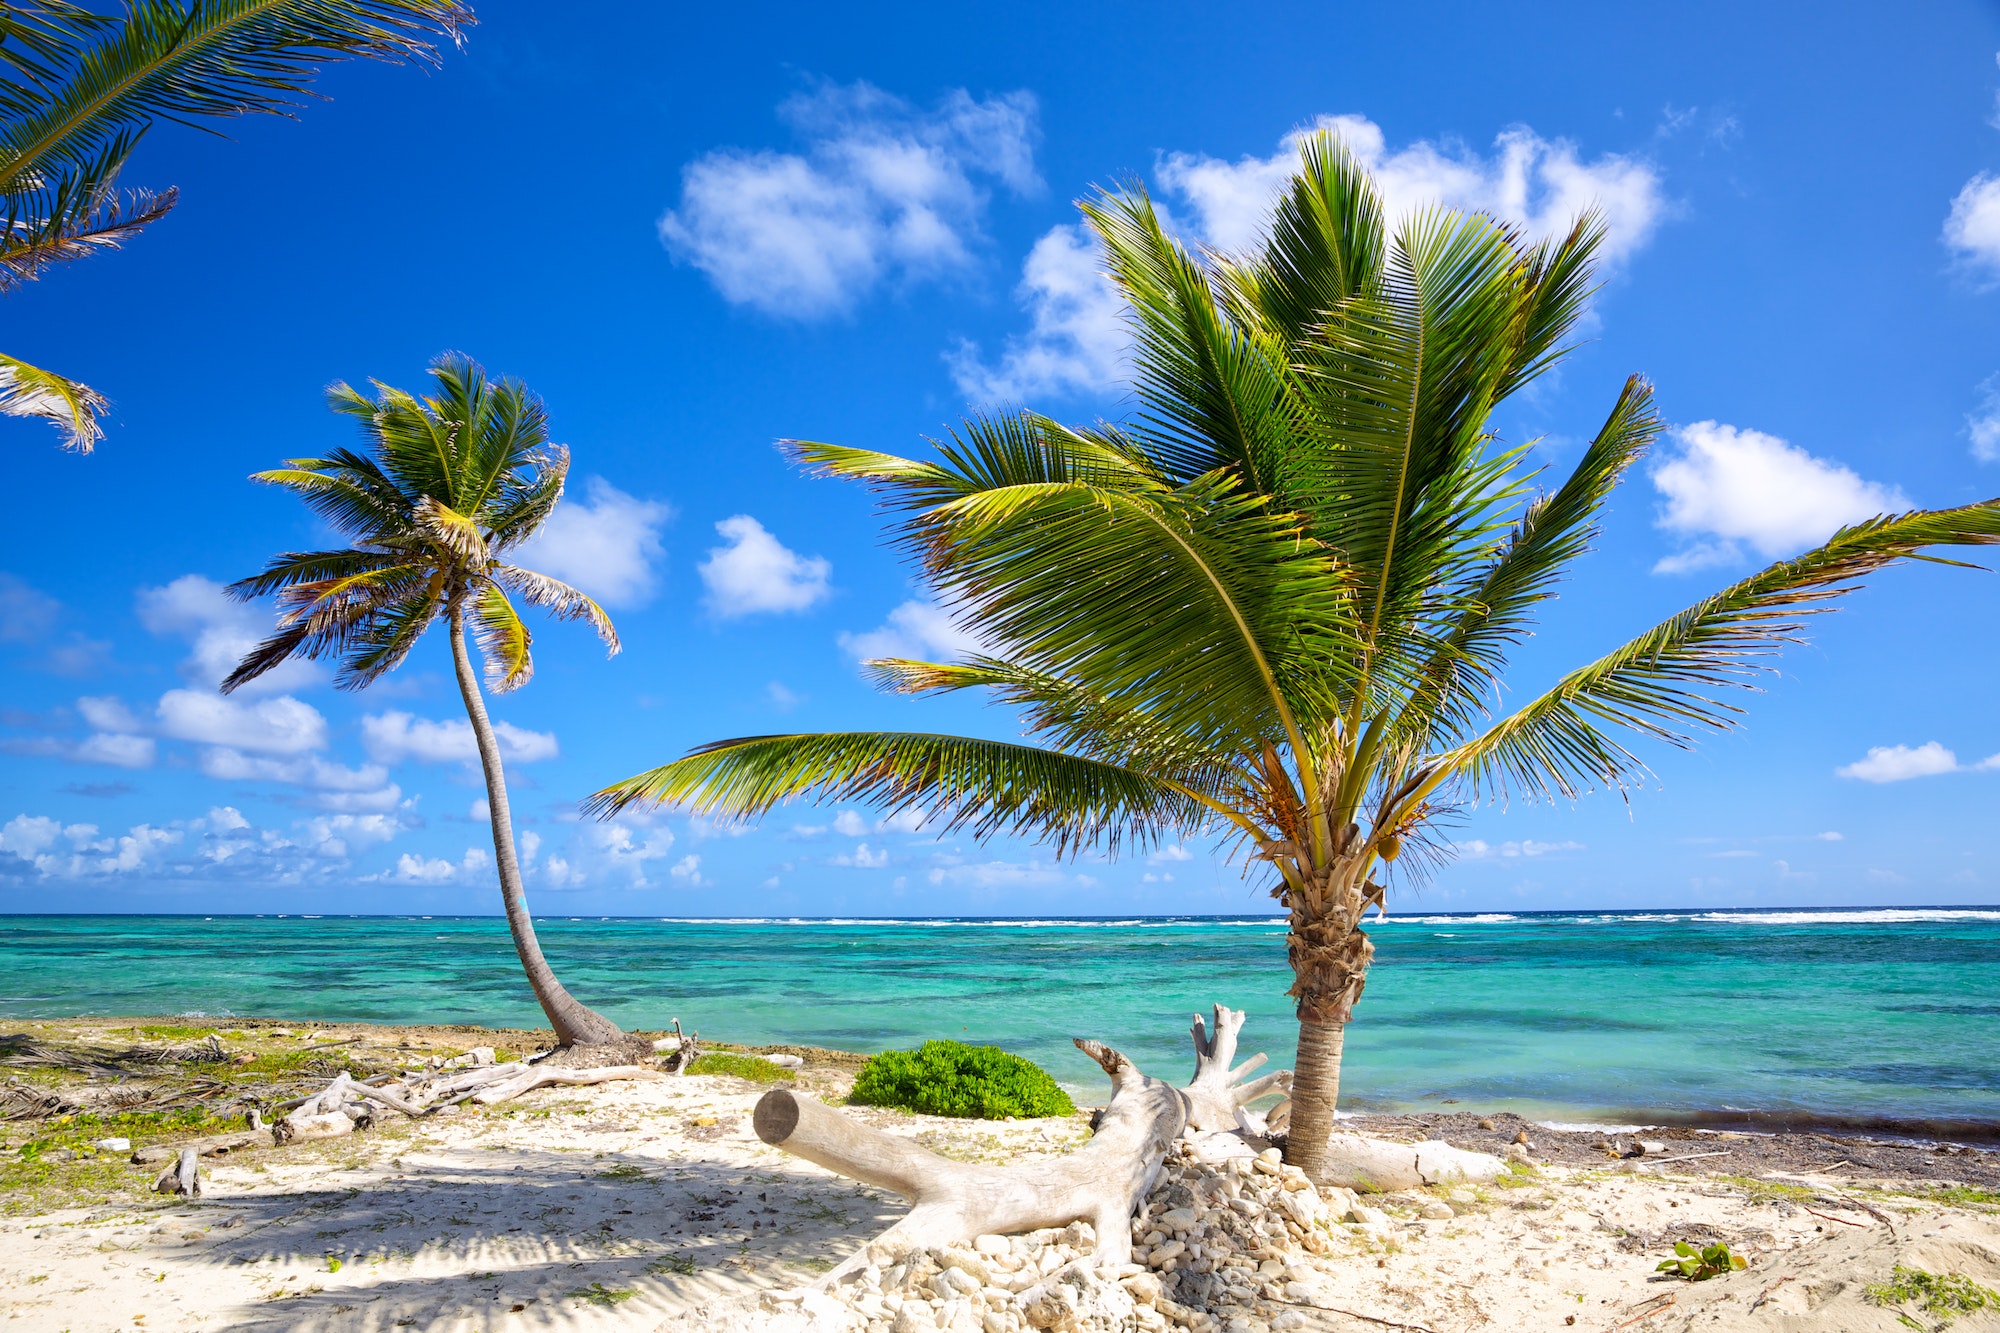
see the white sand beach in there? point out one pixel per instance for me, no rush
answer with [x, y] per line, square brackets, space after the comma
[652, 1205]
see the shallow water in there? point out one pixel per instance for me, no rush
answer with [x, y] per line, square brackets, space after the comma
[1836, 1017]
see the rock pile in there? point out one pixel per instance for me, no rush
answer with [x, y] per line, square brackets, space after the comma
[1225, 1243]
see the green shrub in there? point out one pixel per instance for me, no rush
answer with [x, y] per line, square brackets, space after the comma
[952, 1078]
[742, 1066]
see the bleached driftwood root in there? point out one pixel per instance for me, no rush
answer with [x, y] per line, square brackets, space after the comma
[682, 1049]
[1102, 1183]
[1218, 1097]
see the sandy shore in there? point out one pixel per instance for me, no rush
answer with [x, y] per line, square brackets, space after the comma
[652, 1205]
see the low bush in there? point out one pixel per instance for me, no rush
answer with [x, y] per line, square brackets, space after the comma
[954, 1079]
[742, 1066]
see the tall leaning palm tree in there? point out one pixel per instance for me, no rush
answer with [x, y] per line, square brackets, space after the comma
[447, 486]
[78, 90]
[1277, 604]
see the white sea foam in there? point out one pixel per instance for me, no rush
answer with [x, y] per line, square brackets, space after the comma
[1590, 1127]
[1859, 917]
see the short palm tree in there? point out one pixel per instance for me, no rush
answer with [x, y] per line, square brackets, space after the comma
[446, 487]
[1277, 604]
[79, 89]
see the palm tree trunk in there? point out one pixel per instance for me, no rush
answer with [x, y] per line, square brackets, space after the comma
[575, 1022]
[1330, 954]
[1315, 1089]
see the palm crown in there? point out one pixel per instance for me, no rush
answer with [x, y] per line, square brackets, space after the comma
[79, 89]
[450, 484]
[1277, 602]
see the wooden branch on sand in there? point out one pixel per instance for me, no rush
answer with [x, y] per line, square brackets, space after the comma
[1103, 1182]
[683, 1049]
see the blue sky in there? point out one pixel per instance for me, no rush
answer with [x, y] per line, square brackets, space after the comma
[696, 233]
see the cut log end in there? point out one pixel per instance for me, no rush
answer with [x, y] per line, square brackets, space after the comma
[776, 1116]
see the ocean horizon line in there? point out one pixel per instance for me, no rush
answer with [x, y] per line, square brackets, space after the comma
[1741, 913]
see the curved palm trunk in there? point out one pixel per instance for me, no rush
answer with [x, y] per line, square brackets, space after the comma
[575, 1022]
[1329, 955]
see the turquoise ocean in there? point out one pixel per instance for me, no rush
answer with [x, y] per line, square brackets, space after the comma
[1886, 1019]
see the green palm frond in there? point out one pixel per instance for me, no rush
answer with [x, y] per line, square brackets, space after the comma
[1665, 683]
[192, 62]
[443, 482]
[989, 787]
[80, 220]
[73, 408]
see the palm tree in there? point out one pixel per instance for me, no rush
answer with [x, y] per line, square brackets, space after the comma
[1277, 605]
[79, 89]
[446, 487]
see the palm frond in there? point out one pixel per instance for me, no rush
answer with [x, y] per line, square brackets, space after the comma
[1325, 246]
[1454, 686]
[212, 59]
[558, 599]
[454, 532]
[73, 408]
[503, 641]
[990, 787]
[1664, 683]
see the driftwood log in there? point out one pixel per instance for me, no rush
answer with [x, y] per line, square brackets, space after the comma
[1103, 1182]
[183, 1177]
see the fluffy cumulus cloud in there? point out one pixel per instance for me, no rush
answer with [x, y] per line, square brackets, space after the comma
[283, 725]
[1972, 228]
[1077, 341]
[220, 632]
[920, 630]
[1900, 763]
[1725, 489]
[617, 853]
[607, 544]
[880, 189]
[220, 845]
[395, 737]
[754, 571]
[998, 874]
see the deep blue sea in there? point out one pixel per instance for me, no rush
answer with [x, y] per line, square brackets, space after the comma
[1846, 1016]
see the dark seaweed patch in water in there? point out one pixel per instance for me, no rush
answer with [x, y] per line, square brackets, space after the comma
[1518, 1019]
[1914, 1076]
[1968, 1010]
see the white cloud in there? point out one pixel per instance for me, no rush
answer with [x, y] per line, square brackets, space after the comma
[756, 572]
[612, 850]
[849, 825]
[1078, 341]
[1727, 486]
[1983, 425]
[117, 749]
[861, 858]
[416, 869]
[283, 725]
[997, 874]
[221, 632]
[910, 819]
[1973, 226]
[1170, 853]
[608, 545]
[920, 630]
[1898, 763]
[688, 871]
[364, 788]
[220, 845]
[881, 189]
[396, 736]
[1479, 849]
